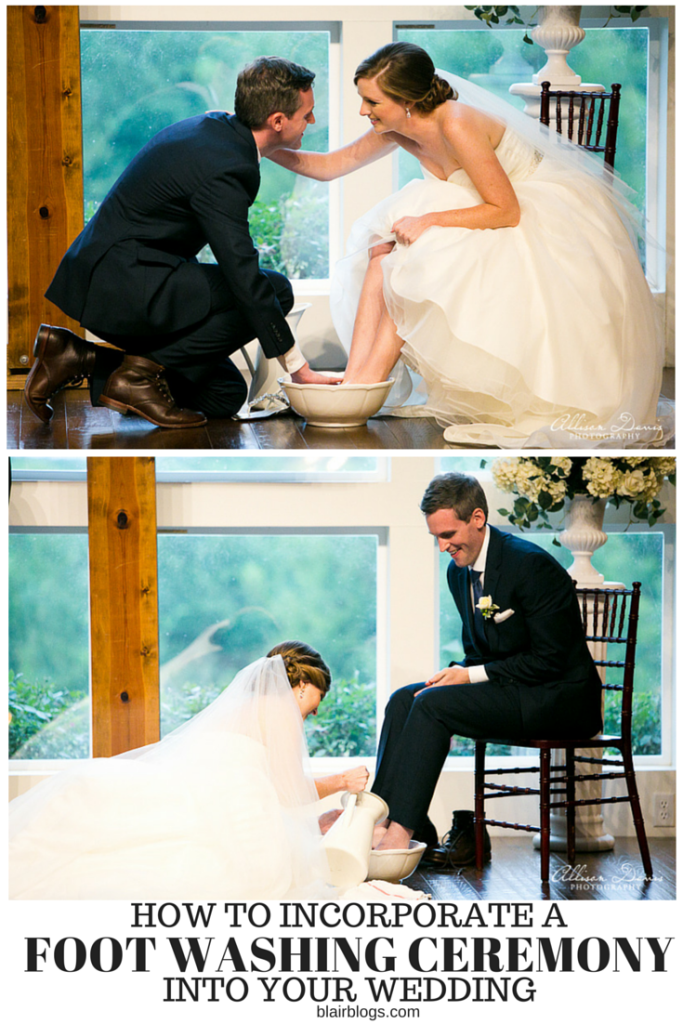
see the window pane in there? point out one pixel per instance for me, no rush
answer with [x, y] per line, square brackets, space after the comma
[498, 58]
[624, 558]
[469, 464]
[278, 468]
[225, 600]
[48, 646]
[273, 467]
[137, 82]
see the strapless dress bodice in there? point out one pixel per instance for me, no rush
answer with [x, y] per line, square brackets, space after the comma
[518, 159]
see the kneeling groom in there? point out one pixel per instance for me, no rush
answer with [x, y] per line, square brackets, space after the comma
[527, 670]
[132, 276]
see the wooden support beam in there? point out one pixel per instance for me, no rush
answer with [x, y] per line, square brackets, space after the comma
[44, 167]
[124, 607]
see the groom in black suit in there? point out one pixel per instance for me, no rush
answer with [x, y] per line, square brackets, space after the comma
[527, 670]
[132, 276]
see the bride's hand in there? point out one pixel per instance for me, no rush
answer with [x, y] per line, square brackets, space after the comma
[355, 779]
[409, 229]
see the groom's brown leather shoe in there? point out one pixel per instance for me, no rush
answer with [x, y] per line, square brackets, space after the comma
[140, 386]
[62, 358]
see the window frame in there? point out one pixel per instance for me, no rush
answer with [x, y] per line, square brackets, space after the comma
[78, 472]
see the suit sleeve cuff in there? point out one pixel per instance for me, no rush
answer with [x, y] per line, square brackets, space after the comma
[292, 360]
[477, 674]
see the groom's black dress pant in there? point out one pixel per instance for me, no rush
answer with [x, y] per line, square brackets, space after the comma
[418, 724]
[199, 371]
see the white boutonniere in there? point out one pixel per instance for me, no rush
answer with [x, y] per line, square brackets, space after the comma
[486, 606]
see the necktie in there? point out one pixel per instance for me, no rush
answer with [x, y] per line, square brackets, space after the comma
[477, 592]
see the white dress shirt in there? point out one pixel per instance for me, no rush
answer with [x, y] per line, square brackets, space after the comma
[477, 673]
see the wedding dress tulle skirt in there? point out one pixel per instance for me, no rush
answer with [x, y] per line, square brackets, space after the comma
[542, 335]
[222, 809]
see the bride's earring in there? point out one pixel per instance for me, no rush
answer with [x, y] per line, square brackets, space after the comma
[408, 114]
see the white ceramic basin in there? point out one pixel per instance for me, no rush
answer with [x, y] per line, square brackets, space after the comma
[395, 865]
[336, 405]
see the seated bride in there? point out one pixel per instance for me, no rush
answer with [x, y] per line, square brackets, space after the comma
[223, 807]
[507, 279]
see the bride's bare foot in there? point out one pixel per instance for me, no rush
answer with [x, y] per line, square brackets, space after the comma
[378, 834]
[396, 837]
[361, 378]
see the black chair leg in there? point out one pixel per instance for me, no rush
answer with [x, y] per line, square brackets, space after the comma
[570, 810]
[479, 764]
[637, 813]
[545, 815]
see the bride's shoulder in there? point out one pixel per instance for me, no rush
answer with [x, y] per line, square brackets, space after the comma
[461, 124]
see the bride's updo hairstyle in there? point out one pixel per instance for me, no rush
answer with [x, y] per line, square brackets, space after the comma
[303, 662]
[405, 72]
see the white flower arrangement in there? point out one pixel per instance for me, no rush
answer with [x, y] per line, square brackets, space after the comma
[543, 485]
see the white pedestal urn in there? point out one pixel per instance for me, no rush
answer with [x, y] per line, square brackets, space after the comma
[583, 536]
[558, 32]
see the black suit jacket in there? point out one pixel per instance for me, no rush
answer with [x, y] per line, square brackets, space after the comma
[542, 645]
[133, 271]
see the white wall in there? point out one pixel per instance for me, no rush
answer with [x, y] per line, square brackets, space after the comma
[409, 652]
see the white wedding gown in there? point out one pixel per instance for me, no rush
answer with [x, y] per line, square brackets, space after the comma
[222, 808]
[540, 335]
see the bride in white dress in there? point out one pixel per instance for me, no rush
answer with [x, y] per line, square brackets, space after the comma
[507, 279]
[224, 807]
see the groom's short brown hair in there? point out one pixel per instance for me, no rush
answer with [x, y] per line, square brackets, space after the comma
[267, 86]
[456, 491]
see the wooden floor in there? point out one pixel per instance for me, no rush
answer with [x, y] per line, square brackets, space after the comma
[76, 425]
[514, 874]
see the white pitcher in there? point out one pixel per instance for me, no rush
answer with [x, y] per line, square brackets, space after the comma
[349, 841]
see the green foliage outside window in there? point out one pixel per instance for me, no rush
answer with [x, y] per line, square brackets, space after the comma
[136, 82]
[226, 600]
[33, 707]
[48, 645]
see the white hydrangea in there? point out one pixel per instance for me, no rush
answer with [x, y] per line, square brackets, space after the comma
[663, 467]
[504, 472]
[602, 477]
[529, 480]
[563, 463]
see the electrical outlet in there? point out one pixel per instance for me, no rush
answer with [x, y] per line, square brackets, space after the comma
[664, 809]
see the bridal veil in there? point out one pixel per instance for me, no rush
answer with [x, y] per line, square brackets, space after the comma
[224, 807]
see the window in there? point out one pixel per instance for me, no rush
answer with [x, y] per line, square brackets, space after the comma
[49, 682]
[243, 564]
[137, 80]
[226, 599]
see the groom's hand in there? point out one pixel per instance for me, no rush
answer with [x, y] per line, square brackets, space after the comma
[449, 677]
